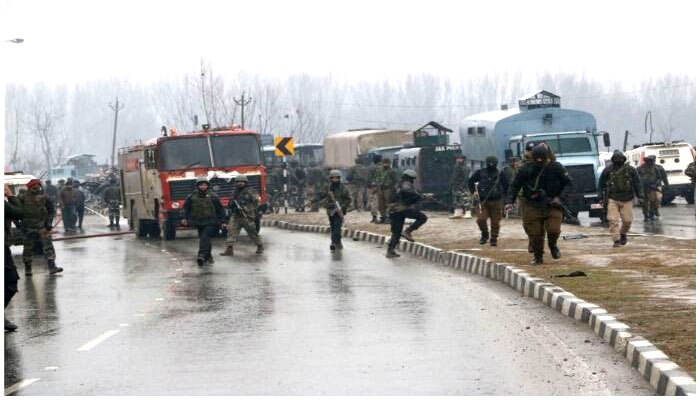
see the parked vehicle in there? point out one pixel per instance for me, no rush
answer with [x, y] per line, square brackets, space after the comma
[674, 157]
[304, 153]
[342, 149]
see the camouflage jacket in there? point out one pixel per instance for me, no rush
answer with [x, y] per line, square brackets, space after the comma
[331, 194]
[38, 211]
[389, 178]
[247, 198]
[460, 176]
[113, 192]
[203, 209]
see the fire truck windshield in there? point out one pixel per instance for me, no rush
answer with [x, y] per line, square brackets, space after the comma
[235, 150]
[184, 153]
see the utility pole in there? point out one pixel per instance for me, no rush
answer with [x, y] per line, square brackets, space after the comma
[648, 123]
[243, 102]
[116, 107]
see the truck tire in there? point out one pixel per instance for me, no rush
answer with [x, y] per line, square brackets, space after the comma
[140, 228]
[666, 200]
[690, 197]
[154, 229]
[169, 230]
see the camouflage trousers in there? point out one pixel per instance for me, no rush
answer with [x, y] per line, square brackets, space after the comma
[650, 201]
[113, 209]
[461, 198]
[235, 224]
[31, 237]
[373, 200]
[311, 194]
[356, 194]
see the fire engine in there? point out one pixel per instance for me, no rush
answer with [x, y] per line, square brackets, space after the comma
[159, 174]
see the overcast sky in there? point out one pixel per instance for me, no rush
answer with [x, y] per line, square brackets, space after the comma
[71, 41]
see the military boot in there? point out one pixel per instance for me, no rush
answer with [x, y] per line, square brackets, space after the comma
[228, 251]
[28, 270]
[554, 249]
[617, 243]
[9, 326]
[391, 253]
[200, 260]
[484, 237]
[260, 249]
[53, 269]
[374, 220]
[406, 234]
[537, 260]
[623, 239]
[333, 246]
[116, 224]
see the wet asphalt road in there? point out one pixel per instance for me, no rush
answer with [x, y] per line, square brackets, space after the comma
[133, 317]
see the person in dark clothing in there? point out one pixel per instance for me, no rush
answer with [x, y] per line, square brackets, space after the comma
[13, 212]
[112, 196]
[619, 184]
[243, 205]
[203, 210]
[654, 181]
[492, 187]
[38, 213]
[336, 199]
[69, 200]
[402, 205]
[542, 181]
[80, 205]
[51, 191]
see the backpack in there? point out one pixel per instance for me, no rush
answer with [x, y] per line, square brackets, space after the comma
[620, 181]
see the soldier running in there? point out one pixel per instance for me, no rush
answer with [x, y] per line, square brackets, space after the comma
[652, 177]
[542, 181]
[243, 205]
[403, 205]
[461, 198]
[203, 210]
[492, 187]
[336, 199]
[38, 212]
[619, 183]
[112, 197]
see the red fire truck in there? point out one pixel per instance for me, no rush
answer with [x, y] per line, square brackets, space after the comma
[159, 174]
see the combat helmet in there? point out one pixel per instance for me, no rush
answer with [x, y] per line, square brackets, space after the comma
[334, 174]
[409, 173]
[240, 178]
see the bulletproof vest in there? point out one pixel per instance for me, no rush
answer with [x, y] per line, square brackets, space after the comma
[648, 174]
[489, 185]
[34, 208]
[202, 207]
[620, 182]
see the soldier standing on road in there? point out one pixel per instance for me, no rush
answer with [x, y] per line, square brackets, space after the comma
[403, 205]
[493, 186]
[389, 180]
[619, 183]
[652, 177]
[690, 173]
[51, 191]
[315, 182]
[357, 182]
[542, 181]
[374, 180]
[38, 213]
[297, 177]
[113, 197]
[13, 212]
[335, 198]
[243, 205]
[274, 184]
[69, 203]
[461, 199]
[80, 204]
[203, 210]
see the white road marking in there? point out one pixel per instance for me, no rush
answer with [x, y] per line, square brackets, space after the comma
[94, 342]
[139, 315]
[20, 385]
[123, 324]
[176, 281]
[160, 299]
[51, 368]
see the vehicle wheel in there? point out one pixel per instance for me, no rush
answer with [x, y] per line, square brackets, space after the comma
[169, 230]
[690, 198]
[154, 230]
[140, 228]
[666, 200]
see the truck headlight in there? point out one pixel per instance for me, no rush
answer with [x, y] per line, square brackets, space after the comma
[176, 204]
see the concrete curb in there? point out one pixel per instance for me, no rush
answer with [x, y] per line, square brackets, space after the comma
[665, 376]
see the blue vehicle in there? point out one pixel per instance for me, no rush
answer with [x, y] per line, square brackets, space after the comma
[570, 134]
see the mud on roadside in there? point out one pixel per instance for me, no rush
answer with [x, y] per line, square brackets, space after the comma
[649, 284]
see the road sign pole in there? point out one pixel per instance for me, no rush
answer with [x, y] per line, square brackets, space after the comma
[284, 173]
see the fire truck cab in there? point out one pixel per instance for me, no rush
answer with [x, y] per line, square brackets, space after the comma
[158, 175]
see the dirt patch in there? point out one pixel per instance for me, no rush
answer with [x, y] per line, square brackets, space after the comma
[649, 284]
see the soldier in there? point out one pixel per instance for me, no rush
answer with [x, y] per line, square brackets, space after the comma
[12, 212]
[297, 178]
[510, 169]
[651, 176]
[542, 181]
[203, 210]
[357, 183]
[68, 199]
[373, 181]
[112, 196]
[51, 191]
[315, 182]
[527, 155]
[274, 184]
[38, 213]
[403, 205]
[493, 186]
[461, 199]
[619, 183]
[80, 205]
[61, 185]
[335, 198]
[388, 181]
[690, 173]
[243, 205]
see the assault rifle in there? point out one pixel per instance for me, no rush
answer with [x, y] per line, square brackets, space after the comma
[337, 209]
[541, 195]
[238, 209]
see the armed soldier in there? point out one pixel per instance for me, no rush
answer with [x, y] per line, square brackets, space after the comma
[275, 188]
[243, 205]
[68, 199]
[38, 212]
[112, 196]
[652, 177]
[374, 180]
[203, 210]
[492, 187]
[51, 191]
[404, 202]
[80, 205]
[388, 181]
[461, 198]
[619, 184]
[542, 182]
[336, 199]
[297, 179]
[357, 183]
[315, 182]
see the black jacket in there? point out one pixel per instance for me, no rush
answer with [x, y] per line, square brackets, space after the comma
[536, 191]
[493, 184]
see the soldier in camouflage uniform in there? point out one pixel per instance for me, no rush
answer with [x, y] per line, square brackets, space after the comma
[38, 212]
[112, 197]
[461, 198]
[652, 177]
[373, 181]
[333, 195]
[314, 184]
[690, 173]
[297, 181]
[389, 178]
[403, 204]
[275, 188]
[203, 210]
[357, 183]
[68, 198]
[243, 205]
